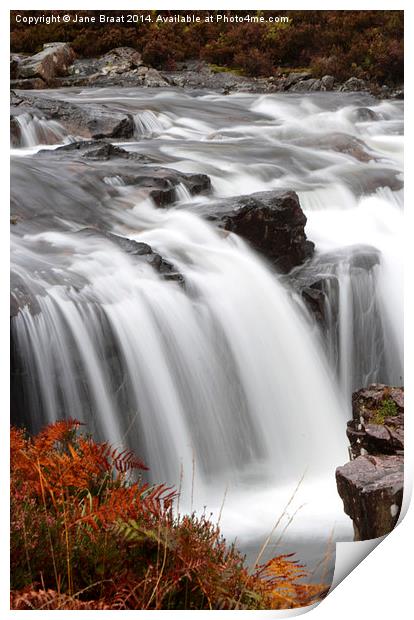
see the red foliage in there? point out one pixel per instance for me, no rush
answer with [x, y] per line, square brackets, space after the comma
[85, 535]
[367, 44]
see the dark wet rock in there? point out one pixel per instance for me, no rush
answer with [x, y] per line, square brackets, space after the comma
[272, 222]
[315, 297]
[14, 132]
[142, 251]
[377, 425]
[52, 62]
[128, 168]
[89, 120]
[317, 281]
[353, 84]
[371, 488]
[339, 142]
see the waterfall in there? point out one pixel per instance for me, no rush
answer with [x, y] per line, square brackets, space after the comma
[211, 357]
[34, 130]
[223, 380]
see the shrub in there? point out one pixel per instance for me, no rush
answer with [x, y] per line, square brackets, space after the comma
[88, 533]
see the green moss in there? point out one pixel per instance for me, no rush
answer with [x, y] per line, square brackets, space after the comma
[223, 69]
[387, 409]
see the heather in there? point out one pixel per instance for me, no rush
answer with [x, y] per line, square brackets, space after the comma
[365, 44]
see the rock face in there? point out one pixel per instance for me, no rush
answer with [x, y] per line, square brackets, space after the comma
[377, 425]
[272, 222]
[371, 484]
[52, 62]
[371, 488]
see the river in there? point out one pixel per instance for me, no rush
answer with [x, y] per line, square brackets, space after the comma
[226, 386]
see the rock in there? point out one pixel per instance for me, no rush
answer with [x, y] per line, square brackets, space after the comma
[328, 82]
[364, 114]
[318, 285]
[142, 251]
[304, 86]
[14, 63]
[371, 488]
[353, 84]
[53, 61]
[377, 425]
[88, 120]
[371, 484]
[314, 296]
[120, 60]
[398, 94]
[121, 66]
[339, 142]
[272, 222]
[127, 168]
[295, 77]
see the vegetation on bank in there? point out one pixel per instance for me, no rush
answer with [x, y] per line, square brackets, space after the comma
[88, 533]
[365, 44]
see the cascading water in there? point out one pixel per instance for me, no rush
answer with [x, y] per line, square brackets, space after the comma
[227, 380]
[33, 130]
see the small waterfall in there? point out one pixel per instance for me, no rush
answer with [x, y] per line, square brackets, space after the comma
[146, 362]
[148, 124]
[182, 193]
[34, 130]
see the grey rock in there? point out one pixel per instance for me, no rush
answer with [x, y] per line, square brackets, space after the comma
[295, 77]
[53, 61]
[328, 82]
[371, 488]
[354, 84]
[88, 120]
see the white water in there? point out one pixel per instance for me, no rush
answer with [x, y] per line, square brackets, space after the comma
[227, 381]
[36, 130]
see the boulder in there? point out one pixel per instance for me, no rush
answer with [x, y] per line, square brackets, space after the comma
[328, 82]
[371, 488]
[52, 62]
[295, 77]
[353, 84]
[272, 222]
[304, 86]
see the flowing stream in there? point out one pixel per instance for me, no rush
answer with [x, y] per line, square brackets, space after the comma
[227, 386]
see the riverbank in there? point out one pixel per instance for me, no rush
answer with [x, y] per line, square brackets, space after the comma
[57, 66]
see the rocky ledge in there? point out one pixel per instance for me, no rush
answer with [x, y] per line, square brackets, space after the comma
[371, 484]
[57, 66]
